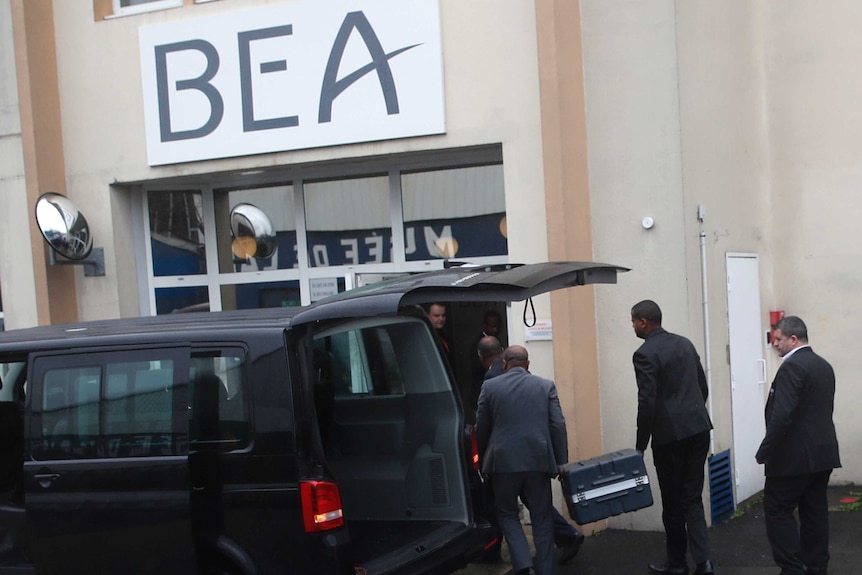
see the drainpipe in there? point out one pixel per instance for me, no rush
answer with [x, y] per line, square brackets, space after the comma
[701, 215]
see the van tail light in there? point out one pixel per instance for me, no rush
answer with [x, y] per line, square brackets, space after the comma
[474, 450]
[321, 506]
[491, 543]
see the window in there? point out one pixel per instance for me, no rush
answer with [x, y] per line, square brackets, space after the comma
[219, 410]
[370, 358]
[177, 233]
[348, 222]
[455, 213]
[335, 226]
[129, 7]
[121, 404]
[140, 404]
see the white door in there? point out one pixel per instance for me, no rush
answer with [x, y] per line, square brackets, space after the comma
[747, 370]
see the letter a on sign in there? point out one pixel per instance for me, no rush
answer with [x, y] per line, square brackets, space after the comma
[379, 63]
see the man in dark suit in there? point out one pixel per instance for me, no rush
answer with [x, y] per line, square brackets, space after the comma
[672, 393]
[566, 537]
[522, 441]
[800, 451]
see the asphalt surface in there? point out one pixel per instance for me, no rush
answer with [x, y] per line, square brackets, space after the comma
[739, 545]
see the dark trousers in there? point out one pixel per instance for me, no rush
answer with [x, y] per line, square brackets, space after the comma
[679, 466]
[565, 533]
[796, 547]
[534, 488]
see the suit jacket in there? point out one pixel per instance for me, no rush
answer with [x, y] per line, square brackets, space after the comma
[800, 435]
[672, 390]
[519, 424]
[494, 370]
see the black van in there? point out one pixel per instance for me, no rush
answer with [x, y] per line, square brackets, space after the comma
[323, 440]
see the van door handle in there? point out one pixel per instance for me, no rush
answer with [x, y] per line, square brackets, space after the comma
[46, 479]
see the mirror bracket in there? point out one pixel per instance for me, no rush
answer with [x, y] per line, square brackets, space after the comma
[94, 264]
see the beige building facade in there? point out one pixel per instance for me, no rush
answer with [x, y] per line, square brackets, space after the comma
[712, 147]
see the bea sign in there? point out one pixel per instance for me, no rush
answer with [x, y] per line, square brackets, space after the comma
[298, 75]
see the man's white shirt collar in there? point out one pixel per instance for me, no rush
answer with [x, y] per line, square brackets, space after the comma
[792, 351]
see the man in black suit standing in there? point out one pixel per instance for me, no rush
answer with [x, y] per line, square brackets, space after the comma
[522, 441]
[800, 451]
[672, 393]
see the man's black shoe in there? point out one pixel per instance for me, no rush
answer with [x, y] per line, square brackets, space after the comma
[668, 569]
[704, 568]
[570, 551]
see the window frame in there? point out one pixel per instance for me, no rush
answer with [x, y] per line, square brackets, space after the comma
[150, 6]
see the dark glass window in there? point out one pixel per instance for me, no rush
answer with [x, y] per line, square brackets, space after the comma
[348, 222]
[258, 295]
[219, 410]
[113, 409]
[277, 203]
[454, 213]
[177, 233]
[182, 299]
[142, 404]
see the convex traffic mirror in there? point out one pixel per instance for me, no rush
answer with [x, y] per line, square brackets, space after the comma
[65, 229]
[252, 233]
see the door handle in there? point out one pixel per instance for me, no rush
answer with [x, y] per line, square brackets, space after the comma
[762, 364]
[46, 479]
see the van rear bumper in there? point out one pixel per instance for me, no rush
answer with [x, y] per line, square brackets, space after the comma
[456, 554]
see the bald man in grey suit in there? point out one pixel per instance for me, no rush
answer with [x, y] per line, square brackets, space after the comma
[522, 440]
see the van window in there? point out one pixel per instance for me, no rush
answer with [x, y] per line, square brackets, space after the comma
[379, 357]
[110, 405]
[362, 361]
[219, 410]
[141, 403]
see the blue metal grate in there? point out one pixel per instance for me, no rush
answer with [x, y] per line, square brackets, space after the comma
[720, 487]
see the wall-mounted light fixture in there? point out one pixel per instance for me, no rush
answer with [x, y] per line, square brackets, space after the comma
[65, 229]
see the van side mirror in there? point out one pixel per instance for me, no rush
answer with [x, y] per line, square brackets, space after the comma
[65, 229]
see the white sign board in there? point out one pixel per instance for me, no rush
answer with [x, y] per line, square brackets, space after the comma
[296, 75]
[323, 287]
[542, 330]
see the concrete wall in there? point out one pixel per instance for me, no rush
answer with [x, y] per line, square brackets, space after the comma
[16, 263]
[752, 111]
[815, 132]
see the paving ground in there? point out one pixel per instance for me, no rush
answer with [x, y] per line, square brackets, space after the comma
[739, 546]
